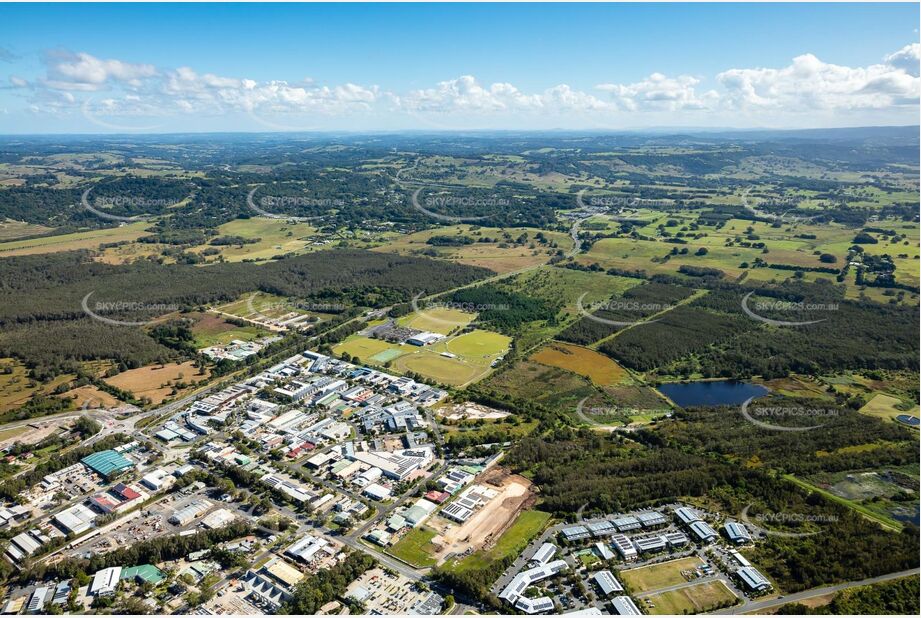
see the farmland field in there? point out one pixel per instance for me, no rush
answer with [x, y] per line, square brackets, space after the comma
[500, 259]
[11, 230]
[74, 241]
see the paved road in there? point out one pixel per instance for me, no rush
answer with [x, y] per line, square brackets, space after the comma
[759, 606]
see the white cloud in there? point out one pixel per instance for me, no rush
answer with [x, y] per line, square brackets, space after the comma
[811, 84]
[908, 59]
[111, 87]
[83, 71]
[465, 93]
[660, 93]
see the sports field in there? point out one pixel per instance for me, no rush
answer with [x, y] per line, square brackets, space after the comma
[600, 369]
[479, 344]
[693, 599]
[470, 355]
[656, 576]
[440, 320]
[452, 371]
[365, 348]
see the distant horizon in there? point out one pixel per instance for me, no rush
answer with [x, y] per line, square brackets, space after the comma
[213, 68]
[587, 132]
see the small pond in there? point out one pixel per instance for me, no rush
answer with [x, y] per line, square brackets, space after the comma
[714, 393]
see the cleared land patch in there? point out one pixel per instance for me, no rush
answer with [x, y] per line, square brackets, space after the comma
[663, 575]
[693, 599]
[416, 547]
[74, 241]
[886, 407]
[155, 381]
[598, 368]
[440, 320]
[493, 531]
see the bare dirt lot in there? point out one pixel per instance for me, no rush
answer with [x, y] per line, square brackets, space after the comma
[489, 521]
[470, 411]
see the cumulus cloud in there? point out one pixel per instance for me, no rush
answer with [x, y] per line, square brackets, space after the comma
[908, 59]
[111, 87]
[467, 94]
[660, 93]
[809, 83]
[83, 71]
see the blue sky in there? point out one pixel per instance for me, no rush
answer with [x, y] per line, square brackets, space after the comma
[168, 67]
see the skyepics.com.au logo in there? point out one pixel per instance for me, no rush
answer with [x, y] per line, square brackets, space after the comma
[769, 522]
[611, 410]
[430, 309]
[641, 309]
[124, 309]
[447, 202]
[762, 416]
[795, 309]
[610, 201]
[284, 311]
[100, 204]
[274, 207]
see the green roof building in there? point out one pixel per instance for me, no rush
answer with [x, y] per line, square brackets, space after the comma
[107, 463]
[145, 573]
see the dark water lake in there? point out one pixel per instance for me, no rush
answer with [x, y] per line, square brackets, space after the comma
[718, 393]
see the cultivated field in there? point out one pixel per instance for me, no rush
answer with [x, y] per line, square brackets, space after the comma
[500, 259]
[74, 241]
[10, 230]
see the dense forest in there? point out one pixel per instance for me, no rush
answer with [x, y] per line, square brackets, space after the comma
[900, 596]
[581, 469]
[713, 336]
[44, 323]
